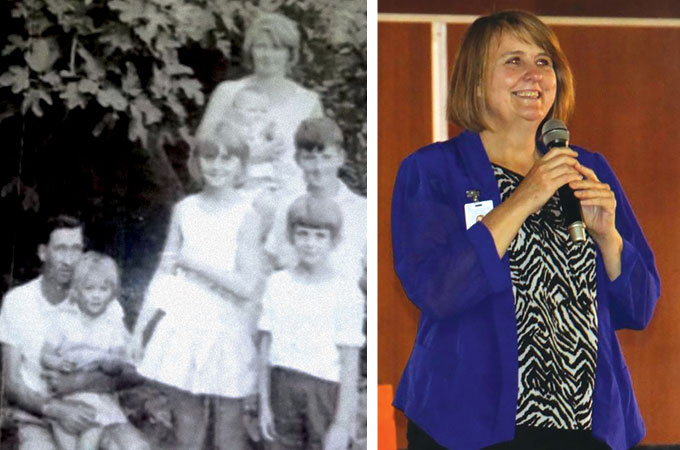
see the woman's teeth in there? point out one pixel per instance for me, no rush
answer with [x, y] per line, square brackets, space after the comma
[528, 94]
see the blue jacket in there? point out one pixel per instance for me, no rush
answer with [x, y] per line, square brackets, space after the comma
[460, 383]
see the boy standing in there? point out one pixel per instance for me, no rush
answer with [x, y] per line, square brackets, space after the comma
[319, 153]
[311, 332]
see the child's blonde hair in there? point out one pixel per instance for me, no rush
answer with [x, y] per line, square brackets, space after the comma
[225, 136]
[314, 212]
[99, 263]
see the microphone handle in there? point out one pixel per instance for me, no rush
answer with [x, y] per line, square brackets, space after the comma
[571, 213]
[571, 208]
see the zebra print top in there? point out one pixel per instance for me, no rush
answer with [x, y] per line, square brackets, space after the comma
[554, 288]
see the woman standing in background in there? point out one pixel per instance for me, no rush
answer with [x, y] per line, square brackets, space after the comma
[272, 45]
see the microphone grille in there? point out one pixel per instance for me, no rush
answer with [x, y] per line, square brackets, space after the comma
[554, 130]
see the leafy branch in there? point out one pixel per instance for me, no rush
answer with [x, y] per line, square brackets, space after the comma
[124, 62]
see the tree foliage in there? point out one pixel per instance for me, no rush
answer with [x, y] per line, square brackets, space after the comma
[135, 65]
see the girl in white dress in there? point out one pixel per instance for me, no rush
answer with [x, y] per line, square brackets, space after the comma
[202, 348]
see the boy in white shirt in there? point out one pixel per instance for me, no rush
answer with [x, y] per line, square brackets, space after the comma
[320, 155]
[311, 332]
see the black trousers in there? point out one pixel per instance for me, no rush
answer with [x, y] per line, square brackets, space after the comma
[526, 438]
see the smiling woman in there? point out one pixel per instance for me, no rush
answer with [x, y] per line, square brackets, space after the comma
[521, 84]
[516, 344]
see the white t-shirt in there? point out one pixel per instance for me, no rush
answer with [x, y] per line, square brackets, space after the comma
[309, 321]
[350, 252]
[82, 339]
[26, 318]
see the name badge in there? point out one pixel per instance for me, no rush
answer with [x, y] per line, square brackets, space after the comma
[475, 212]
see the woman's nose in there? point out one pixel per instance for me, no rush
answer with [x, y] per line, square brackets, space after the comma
[533, 73]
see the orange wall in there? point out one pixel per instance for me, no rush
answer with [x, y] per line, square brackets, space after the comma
[404, 124]
[627, 107]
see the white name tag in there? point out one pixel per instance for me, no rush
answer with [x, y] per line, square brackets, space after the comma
[475, 212]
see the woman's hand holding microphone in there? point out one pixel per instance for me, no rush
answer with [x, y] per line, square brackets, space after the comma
[560, 166]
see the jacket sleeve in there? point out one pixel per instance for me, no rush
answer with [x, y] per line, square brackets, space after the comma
[633, 294]
[443, 268]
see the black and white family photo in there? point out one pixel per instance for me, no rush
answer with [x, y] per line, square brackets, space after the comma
[183, 250]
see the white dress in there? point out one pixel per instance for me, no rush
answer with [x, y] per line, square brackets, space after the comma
[205, 342]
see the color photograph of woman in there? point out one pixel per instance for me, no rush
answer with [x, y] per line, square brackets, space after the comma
[504, 322]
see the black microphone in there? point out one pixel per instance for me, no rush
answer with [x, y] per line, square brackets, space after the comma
[555, 134]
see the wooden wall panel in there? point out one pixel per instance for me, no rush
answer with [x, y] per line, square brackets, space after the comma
[404, 124]
[627, 108]
[581, 8]
[454, 35]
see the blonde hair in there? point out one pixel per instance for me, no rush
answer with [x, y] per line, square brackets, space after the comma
[225, 136]
[95, 263]
[467, 92]
[280, 29]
